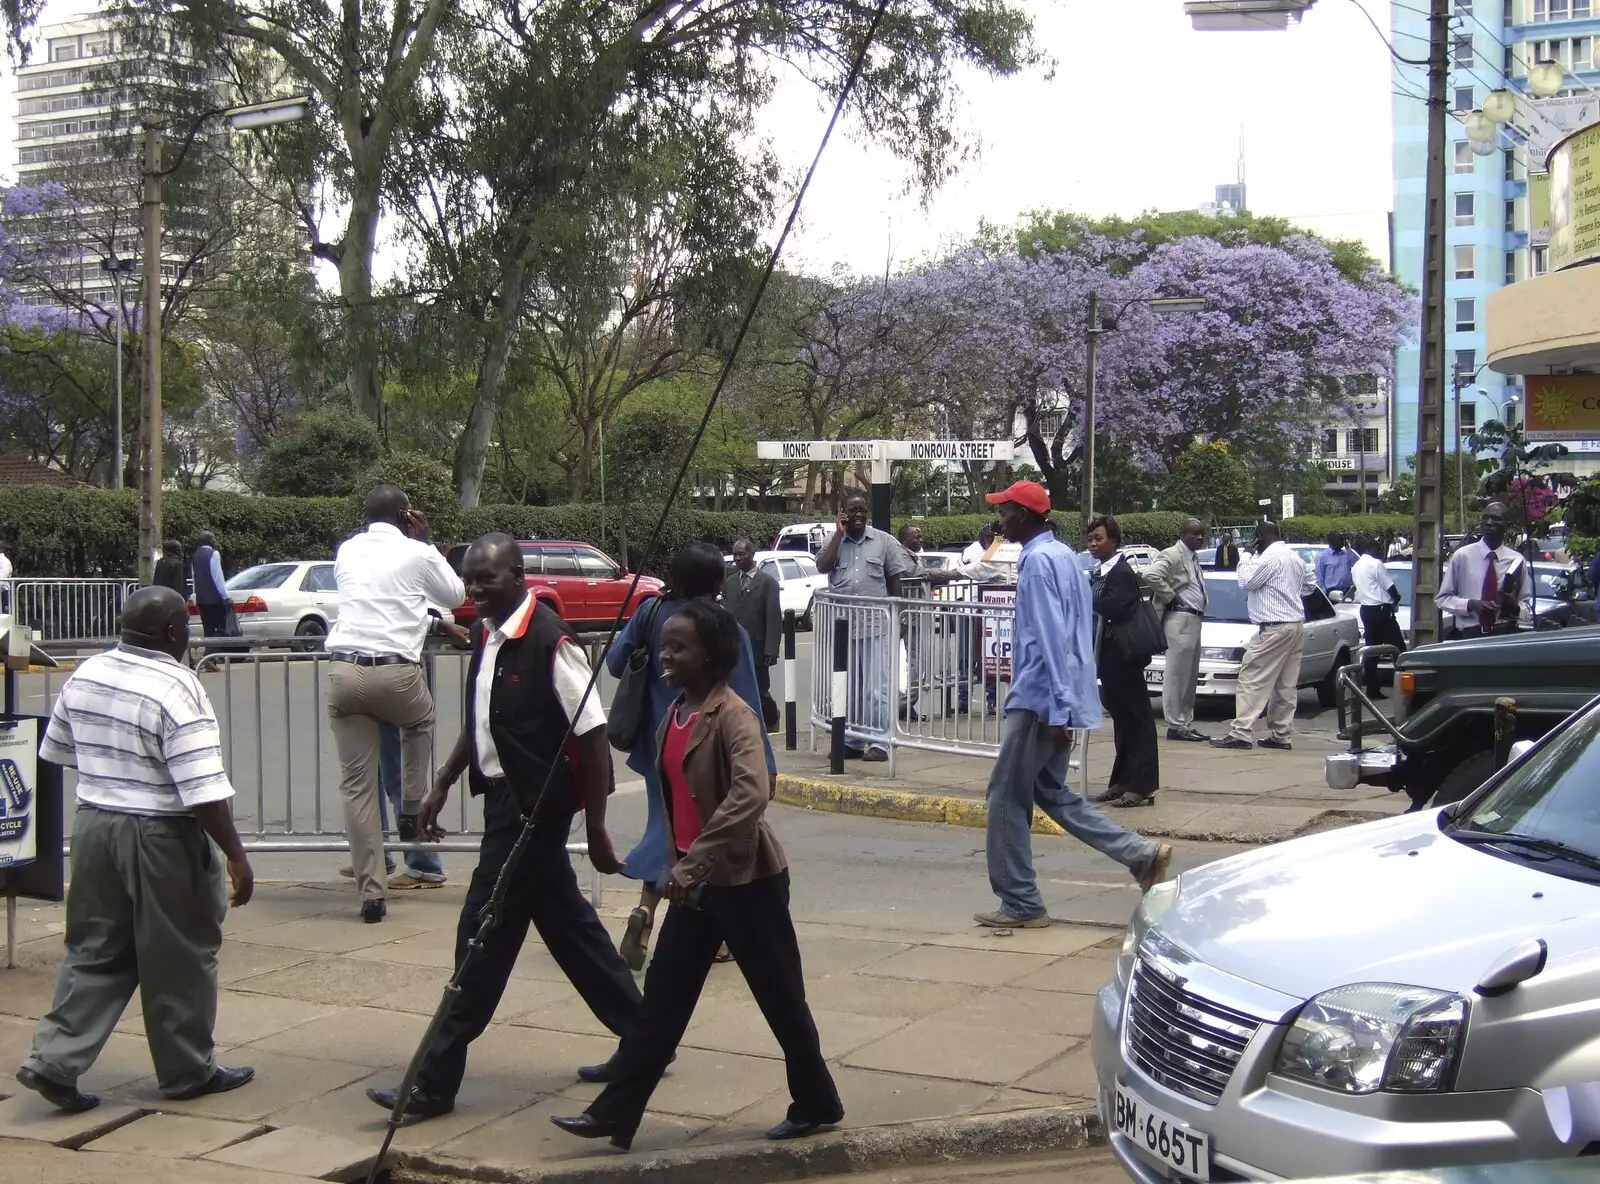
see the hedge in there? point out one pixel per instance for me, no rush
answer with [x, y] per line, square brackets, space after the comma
[1159, 528]
[1315, 528]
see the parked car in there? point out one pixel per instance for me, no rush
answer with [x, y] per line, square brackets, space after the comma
[1441, 746]
[798, 580]
[1331, 638]
[1400, 572]
[809, 537]
[1422, 991]
[293, 602]
[581, 582]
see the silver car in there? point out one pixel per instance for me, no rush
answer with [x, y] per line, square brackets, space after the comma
[1418, 992]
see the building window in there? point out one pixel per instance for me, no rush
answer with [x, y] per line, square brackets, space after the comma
[1510, 173]
[1582, 47]
[1511, 267]
[63, 52]
[1557, 9]
[1537, 263]
[1511, 215]
[1580, 10]
[1469, 418]
[1508, 61]
[1466, 364]
[1463, 50]
[1361, 440]
[1541, 10]
[1465, 100]
[1465, 208]
[1466, 262]
[1465, 161]
[1330, 441]
[1464, 6]
[1466, 316]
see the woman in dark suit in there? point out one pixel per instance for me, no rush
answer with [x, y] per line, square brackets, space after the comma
[1136, 773]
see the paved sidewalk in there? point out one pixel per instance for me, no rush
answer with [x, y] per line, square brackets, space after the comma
[1207, 794]
[929, 1035]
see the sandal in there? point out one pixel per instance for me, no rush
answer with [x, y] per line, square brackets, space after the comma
[1110, 795]
[636, 941]
[1129, 800]
[724, 955]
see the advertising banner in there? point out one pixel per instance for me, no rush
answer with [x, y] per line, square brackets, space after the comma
[19, 754]
[1562, 406]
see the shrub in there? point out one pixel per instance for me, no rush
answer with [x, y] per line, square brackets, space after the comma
[324, 456]
[1314, 528]
[1158, 528]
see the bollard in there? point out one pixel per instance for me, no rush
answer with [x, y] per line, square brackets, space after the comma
[791, 723]
[839, 693]
[1505, 731]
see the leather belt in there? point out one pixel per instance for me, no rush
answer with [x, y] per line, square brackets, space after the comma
[1179, 608]
[371, 660]
[1275, 624]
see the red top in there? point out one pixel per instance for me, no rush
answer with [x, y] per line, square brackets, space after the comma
[686, 824]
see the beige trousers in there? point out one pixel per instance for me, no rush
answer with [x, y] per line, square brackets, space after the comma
[1269, 681]
[359, 698]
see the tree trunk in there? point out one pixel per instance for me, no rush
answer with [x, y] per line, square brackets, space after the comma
[355, 289]
[474, 444]
[583, 465]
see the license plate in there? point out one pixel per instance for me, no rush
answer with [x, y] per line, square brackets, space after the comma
[1154, 677]
[1174, 1143]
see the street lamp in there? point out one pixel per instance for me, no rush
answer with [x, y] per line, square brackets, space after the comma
[118, 270]
[253, 116]
[1237, 16]
[1160, 305]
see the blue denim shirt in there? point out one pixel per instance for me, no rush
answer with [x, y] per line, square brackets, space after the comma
[1333, 569]
[1052, 662]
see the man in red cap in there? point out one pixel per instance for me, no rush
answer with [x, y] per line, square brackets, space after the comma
[1053, 692]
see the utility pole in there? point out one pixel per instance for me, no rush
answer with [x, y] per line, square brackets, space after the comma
[1461, 480]
[1431, 372]
[150, 416]
[1088, 408]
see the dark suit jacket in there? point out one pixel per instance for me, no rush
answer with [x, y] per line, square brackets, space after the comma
[1116, 599]
[754, 604]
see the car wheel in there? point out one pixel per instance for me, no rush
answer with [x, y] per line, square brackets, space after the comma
[309, 635]
[1464, 778]
[1328, 688]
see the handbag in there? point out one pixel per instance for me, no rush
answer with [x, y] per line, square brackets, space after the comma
[630, 705]
[1141, 636]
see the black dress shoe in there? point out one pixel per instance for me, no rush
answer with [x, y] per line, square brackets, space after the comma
[1231, 742]
[1188, 734]
[1280, 745]
[419, 1107]
[373, 911]
[220, 1082]
[605, 1073]
[789, 1129]
[62, 1097]
[588, 1127]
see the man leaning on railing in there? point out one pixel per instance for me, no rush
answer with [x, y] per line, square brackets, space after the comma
[860, 560]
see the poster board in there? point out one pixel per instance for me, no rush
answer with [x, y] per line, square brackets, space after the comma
[998, 629]
[19, 780]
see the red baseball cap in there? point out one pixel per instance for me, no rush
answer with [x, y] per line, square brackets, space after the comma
[1030, 495]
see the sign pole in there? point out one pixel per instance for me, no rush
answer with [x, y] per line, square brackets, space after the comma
[882, 494]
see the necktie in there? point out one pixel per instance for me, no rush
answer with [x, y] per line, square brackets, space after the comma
[1490, 595]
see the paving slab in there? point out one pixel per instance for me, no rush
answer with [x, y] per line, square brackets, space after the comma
[1070, 1075]
[354, 1035]
[958, 964]
[325, 978]
[1084, 974]
[1041, 1011]
[40, 1163]
[705, 1083]
[350, 1114]
[300, 1151]
[1058, 939]
[28, 1116]
[280, 1082]
[243, 1017]
[175, 1136]
[328, 935]
[740, 1027]
[527, 1137]
[877, 1099]
[949, 1046]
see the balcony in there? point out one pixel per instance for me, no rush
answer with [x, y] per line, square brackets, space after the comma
[1548, 321]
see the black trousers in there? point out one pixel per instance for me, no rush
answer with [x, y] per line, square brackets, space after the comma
[214, 619]
[754, 920]
[1122, 689]
[769, 707]
[1379, 626]
[544, 892]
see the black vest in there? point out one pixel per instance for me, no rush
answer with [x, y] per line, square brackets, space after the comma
[526, 718]
[205, 587]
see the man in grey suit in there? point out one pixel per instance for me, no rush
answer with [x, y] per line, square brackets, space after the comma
[751, 595]
[1178, 594]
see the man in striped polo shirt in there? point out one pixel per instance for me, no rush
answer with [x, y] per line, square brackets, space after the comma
[146, 902]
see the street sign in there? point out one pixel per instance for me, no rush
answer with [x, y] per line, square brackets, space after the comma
[845, 451]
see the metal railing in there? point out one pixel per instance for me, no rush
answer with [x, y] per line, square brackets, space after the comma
[70, 612]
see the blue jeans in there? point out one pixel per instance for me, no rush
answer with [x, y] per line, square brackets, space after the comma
[1031, 769]
[867, 709]
[389, 794]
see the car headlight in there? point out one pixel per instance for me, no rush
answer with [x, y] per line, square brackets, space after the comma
[1376, 1036]
[1152, 906]
[1214, 653]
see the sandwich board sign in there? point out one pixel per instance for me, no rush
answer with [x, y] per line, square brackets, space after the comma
[19, 756]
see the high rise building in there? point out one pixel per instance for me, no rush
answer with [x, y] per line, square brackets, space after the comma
[1489, 243]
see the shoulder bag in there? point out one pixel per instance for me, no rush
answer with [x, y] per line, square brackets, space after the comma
[625, 724]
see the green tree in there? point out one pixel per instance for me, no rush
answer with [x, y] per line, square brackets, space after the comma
[1207, 482]
[323, 456]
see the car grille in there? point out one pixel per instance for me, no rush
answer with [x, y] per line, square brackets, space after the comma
[1181, 1039]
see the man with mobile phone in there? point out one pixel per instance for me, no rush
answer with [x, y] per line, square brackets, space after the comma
[389, 576]
[1487, 584]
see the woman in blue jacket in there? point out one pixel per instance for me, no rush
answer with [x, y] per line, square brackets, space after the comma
[695, 573]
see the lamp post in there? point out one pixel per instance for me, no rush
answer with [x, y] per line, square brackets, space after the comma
[151, 468]
[1160, 305]
[118, 270]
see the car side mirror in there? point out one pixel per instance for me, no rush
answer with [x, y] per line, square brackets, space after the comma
[1521, 749]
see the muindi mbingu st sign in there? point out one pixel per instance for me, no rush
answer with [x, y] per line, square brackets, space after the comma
[847, 451]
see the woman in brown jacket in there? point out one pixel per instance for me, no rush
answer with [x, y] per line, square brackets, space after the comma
[728, 882]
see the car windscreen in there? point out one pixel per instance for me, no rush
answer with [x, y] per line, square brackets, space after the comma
[1225, 600]
[1402, 580]
[265, 575]
[1549, 803]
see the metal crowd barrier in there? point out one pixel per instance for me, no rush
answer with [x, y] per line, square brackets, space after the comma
[72, 612]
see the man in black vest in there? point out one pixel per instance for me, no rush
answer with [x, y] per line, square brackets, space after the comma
[525, 685]
[210, 590]
[751, 595]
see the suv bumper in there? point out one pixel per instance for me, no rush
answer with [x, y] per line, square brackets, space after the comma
[1370, 766]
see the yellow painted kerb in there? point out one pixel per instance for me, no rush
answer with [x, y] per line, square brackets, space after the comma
[808, 793]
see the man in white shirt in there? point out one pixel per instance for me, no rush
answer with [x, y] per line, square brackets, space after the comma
[1374, 590]
[1274, 579]
[1487, 585]
[1178, 594]
[145, 905]
[388, 577]
[526, 693]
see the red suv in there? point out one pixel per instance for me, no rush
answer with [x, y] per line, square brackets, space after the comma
[580, 581]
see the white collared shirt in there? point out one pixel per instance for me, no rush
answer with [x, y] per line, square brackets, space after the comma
[1463, 580]
[387, 582]
[571, 674]
[1274, 582]
[1371, 581]
[1193, 594]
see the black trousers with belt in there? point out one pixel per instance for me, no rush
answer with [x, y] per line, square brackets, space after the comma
[1137, 766]
[754, 920]
[1379, 626]
[543, 892]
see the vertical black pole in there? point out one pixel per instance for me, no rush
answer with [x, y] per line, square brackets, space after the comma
[791, 724]
[840, 692]
[882, 504]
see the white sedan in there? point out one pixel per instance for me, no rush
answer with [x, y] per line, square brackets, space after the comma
[293, 603]
[1331, 639]
[798, 580]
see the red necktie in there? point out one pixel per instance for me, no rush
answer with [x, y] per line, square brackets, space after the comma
[1490, 595]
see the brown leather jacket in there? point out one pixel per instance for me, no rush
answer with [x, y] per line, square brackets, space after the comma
[726, 767]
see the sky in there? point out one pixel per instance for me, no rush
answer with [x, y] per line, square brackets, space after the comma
[1140, 112]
